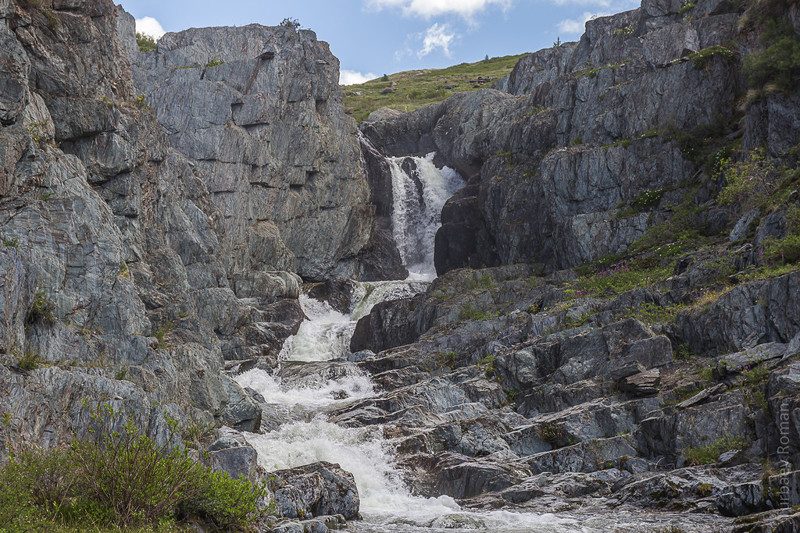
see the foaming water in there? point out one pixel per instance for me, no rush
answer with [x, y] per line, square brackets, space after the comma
[386, 503]
[302, 435]
[420, 190]
[324, 336]
[324, 393]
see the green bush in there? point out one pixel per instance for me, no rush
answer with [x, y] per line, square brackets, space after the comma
[748, 182]
[145, 42]
[470, 312]
[121, 479]
[779, 63]
[29, 361]
[291, 23]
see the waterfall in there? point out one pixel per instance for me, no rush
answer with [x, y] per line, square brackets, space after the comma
[301, 433]
[298, 431]
[420, 190]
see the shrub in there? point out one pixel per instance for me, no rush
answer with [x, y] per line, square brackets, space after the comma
[470, 312]
[29, 361]
[686, 6]
[748, 182]
[145, 42]
[481, 282]
[162, 332]
[291, 23]
[121, 479]
[42, 309]
[779, 63]
[627, 31]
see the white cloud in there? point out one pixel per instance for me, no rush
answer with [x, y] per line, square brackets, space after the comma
[150, 26]
[572, 27]
[437, 36]
[432, 8]
[350, 77]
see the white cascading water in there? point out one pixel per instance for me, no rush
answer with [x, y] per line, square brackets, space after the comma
[419, 196]
[301, 433]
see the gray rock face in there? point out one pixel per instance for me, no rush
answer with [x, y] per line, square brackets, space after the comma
[115, 264]
[259, 112]
[584, 134]
[317, 489]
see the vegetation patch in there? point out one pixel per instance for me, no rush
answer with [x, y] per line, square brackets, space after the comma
[778, 64]
[651, 313]
[145, 42]
[410, 90]
[470, 312]
[591, 72]
[701, 58]
[29, 361]
[708, 454]
[120, 480]
[42, 309]
[616, 280]
[161, 334]
[481, 282]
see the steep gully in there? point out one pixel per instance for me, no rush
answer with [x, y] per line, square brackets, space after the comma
[317, 376]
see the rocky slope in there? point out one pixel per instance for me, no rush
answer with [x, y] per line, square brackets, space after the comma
[662, 373]
[630, 344]
[133, 274]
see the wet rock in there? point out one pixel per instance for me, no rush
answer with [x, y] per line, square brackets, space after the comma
[315, 490]
[241, 411]
[461, 477]
[388, 326]
[337, 293]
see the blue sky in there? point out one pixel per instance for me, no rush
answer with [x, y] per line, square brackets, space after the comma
[375, 37]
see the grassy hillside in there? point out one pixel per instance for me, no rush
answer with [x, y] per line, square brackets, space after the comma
[413, 89]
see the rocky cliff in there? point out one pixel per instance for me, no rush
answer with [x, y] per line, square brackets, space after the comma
[585, 128]
[139, 261]
[633, 197]
[259, 112]
[635, 335]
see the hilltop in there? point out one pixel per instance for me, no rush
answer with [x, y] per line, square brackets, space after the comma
[412, 89]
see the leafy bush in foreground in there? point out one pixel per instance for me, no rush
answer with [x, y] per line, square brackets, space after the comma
[120, 479]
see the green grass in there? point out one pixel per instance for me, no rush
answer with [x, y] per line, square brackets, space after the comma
[470, 312]
[617, 280]
[591, 72]
[650, 313]
[708, 454]
[419, 88]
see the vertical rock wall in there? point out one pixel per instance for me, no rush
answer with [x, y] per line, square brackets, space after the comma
[259, 112]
